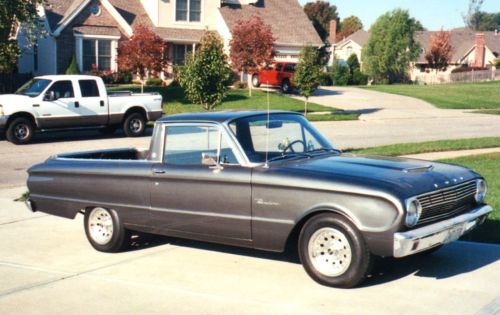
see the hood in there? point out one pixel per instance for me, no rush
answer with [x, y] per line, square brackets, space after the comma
[10, 100]
[398, 176]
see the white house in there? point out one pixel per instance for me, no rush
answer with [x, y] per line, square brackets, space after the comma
[92, 29]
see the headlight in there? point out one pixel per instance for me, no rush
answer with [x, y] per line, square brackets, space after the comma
[481, 189]
[413, 212]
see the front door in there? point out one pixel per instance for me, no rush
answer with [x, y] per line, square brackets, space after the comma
[189, 197]
[63, 110]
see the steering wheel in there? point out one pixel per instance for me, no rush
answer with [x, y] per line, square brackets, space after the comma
[290, 145]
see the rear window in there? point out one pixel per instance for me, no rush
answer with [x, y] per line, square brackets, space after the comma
[279, 66]
[89, 88]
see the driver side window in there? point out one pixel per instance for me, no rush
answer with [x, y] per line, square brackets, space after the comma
[185, 145]
[62, 89]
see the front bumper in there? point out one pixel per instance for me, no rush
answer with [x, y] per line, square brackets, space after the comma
[3, 123]
[414, 241]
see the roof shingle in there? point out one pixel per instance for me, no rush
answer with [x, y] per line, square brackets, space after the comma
[287, 19]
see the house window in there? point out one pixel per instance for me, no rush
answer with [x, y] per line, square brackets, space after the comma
[181, 52]
[96, 53]
[188, 10]
[349, 51]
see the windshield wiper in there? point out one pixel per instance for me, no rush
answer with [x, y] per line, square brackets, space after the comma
[323, 150]
[287, 156]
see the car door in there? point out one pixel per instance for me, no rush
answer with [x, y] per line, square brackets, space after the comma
[93, 107]
[277, 74]
[59, 106]
[189, 197]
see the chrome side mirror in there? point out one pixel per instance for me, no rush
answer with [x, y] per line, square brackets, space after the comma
[50, 96]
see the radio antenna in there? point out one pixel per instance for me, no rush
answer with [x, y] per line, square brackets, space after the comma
[267, 127]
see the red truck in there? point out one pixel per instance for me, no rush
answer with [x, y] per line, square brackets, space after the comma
[278, 74]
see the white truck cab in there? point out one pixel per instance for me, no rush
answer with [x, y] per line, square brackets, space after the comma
[74, 101]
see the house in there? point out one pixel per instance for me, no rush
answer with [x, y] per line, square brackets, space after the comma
[91, 30]
[469, 49]
[353, 44]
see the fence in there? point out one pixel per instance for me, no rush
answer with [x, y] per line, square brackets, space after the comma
[470, 76]
[10, 82]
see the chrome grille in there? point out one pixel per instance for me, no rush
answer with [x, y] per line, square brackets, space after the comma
[447, 202]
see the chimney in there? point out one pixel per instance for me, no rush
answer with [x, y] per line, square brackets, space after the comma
[479, 61]
[333, 32]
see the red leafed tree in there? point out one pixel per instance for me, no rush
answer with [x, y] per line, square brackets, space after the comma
[144, 54]
[439, 55]
[251, 46]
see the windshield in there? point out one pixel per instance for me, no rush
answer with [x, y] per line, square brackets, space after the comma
[34, 87]
[279, 137]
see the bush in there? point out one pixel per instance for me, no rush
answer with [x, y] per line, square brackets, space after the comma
[240, 85]
[468, 69]
[358, 78]
[137, 82]
[73, 67]
[325, 79]
[154, 82]
[340, 75]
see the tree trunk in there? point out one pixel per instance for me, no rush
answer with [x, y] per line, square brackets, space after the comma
[305, 107]
[249, 80]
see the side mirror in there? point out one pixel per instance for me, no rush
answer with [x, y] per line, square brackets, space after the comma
[50, 96]
[208, 159]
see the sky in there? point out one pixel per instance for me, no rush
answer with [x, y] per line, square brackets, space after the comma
[433, 14]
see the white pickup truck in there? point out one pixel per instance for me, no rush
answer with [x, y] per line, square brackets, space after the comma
[74, 101]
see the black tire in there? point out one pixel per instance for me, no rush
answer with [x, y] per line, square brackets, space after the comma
[134, 125]
[285, 86]
[20, 131]
[333, 267]
[108, 130]
[115, 241]
[255, 80]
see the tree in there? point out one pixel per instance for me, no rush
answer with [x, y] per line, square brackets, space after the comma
[484, 21]
[144, 54]
[321, 13]
[13, 14]
[206, 76]
[251, 46]
[471, 17]
[439, 55]
[348, 26]
[307, 73]
[391, 47]
[73, 67]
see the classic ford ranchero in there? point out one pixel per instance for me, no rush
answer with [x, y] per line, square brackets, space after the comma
[263, 180]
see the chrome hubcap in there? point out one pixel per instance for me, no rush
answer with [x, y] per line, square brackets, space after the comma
[100, 226]
[135, 125]
[21, 131]
[329, 251]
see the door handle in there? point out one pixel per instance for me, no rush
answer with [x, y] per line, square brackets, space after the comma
[77, 104]
[102, 103]
[159, 171]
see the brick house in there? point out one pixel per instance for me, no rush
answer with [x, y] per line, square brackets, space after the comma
[91, 30]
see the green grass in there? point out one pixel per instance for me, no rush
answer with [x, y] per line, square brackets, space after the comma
[484, 95]
[176, 102]
[488, 111]
[431, 146]
[336, 116]
[487, 165]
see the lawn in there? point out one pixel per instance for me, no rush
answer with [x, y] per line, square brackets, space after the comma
[431, 146]
[487, 165]
[176, 102]
[483, 95]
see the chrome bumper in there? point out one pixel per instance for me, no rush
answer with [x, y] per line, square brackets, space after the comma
[414, 241]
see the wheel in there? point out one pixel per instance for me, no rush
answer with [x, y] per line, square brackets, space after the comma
[333, 252]
[134, 125]
[285, 86]
[105, 230]
[255, 80]
[108, 130]
[20, 131]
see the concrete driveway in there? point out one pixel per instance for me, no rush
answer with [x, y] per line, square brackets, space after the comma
[389, 118]
[47, 267]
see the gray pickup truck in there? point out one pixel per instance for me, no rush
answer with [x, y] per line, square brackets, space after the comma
[265, 181]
